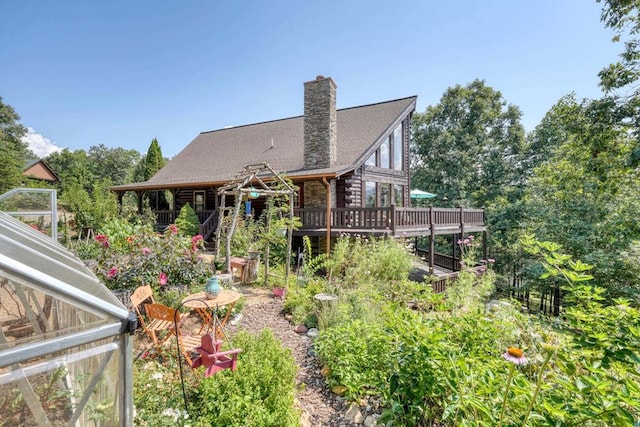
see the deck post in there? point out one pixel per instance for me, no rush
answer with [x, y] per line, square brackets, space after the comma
[432, 238]
[139, 195]
[484, 245]
[392, 223]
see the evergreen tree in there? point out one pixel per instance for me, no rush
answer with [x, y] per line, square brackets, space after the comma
[153, 160]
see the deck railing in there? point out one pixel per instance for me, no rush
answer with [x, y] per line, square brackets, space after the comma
[391, 219]
[166, 217]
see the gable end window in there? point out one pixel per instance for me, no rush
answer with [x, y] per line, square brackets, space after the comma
[390, 153]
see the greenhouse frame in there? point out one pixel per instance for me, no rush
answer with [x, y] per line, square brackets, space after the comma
[65, 339]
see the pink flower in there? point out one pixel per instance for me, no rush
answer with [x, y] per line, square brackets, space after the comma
[515, 355]
[471, 237]
[146, 251]
[173, 228]
[195, 241]
[103, 240]
[491, 260]
[112, 272]
[162, 278]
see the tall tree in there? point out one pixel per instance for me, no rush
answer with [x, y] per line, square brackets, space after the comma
[620, 80]
[153, 161]
[13, 152]
[585, 195]
[469, 148]
[72, 167]
[117, 164]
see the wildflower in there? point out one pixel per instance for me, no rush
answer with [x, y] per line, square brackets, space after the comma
[471, 237]
[491, 260]
[173, 228]
[157, 376]
[466, 242]
[112, 272]
[103, 240]
[162, 278]
[146, 251]
[515, 355]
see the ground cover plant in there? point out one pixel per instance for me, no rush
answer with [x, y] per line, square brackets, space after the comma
[469, 363]
[259, 393]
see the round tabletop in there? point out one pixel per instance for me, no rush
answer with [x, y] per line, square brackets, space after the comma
[199, 300]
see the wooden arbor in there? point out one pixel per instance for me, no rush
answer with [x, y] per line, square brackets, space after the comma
[255, 180]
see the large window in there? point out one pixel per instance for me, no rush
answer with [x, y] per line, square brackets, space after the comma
[371, 161]
[385, 155]
[370, 194]
[390, 154]
[398, 195]
[385, 195]
[398, 148]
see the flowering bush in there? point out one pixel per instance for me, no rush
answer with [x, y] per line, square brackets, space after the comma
[160, 260]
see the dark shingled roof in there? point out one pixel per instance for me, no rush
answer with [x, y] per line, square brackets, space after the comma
[218, 156]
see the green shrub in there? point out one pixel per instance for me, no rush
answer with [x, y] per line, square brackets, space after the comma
[163, 261]
[187, 221]
[357, 354]
[259, 393]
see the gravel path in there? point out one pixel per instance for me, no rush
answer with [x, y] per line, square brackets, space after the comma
[320, 407]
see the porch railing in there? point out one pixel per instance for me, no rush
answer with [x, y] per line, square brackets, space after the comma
[166, 217]
[390, 218]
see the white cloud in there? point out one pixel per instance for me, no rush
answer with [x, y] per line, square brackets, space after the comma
[39, 144]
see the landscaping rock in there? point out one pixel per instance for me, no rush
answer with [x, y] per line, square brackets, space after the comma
[371, 420]
[354, 415]
[313, 332]
[300, 329]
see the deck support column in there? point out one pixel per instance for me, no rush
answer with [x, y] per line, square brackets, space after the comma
[432, 238]
[328, 214]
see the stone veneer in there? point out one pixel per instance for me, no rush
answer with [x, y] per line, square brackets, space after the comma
[320, 131]
[315, 194]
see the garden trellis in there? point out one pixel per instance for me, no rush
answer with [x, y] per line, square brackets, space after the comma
[254, 181]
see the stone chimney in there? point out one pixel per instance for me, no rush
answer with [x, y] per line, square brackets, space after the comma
[320, 132]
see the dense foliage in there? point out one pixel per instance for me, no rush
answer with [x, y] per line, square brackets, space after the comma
[584, 195]
[448, 366]
[125, 256]
[13, 152]
[470, 150]
[259, 393]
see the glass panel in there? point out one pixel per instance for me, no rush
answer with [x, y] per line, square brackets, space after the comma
[371, 161]
[398, 195]
[28, 315]
[80, 386]
[36, 207]
[385, 194]
[370, 194]
[398, 148]
[384, 154]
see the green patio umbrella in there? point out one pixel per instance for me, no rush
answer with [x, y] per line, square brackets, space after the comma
[419, 194]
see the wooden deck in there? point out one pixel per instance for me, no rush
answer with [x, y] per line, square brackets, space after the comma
[399, 222]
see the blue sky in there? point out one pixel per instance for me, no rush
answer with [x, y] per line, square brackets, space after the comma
[120, 73]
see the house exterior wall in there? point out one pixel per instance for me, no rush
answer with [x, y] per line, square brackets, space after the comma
[39, 171]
